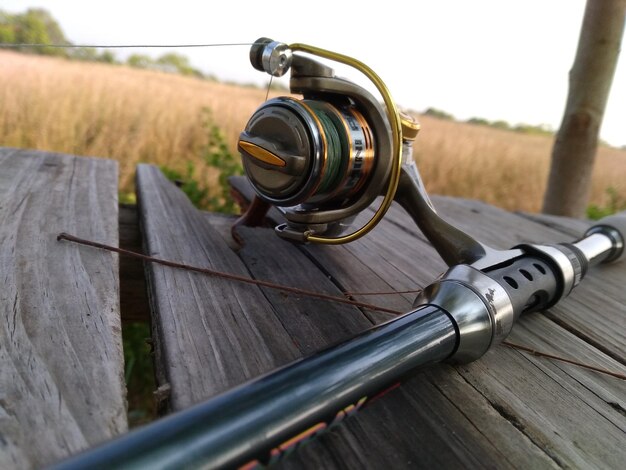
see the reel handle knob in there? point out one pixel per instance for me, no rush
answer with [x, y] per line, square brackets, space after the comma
[266, 154]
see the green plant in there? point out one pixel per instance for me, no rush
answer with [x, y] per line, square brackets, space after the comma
[176, 63]
[140, 61]
[138, 373]
[615, 204]
[36, 26]
[124, 197]
[217, 155]
[198, 195]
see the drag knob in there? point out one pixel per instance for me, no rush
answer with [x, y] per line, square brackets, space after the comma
[277, 154]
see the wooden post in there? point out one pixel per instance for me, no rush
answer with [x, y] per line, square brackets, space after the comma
[590, 80]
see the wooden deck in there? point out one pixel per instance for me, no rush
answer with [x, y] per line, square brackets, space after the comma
[61, 370]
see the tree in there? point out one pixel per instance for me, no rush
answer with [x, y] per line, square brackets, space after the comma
[140, 61]
[439, 114]
[478, 121]
[36, 26]
[7, 28]
[176, 63]
[53, 30]
[590, 79]
[107, 57]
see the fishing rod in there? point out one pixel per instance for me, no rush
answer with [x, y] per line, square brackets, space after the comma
[321, 160]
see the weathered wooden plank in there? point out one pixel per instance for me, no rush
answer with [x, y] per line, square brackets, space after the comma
[312, 324]
[210, 334]
[567, 225]
[537, 333]
[577, 428]
[361, 277]
[61, 365]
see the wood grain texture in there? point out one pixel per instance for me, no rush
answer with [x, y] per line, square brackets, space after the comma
[566, 225]
[61, 364]
[210, 333]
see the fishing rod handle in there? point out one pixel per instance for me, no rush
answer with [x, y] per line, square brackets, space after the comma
[603, 242]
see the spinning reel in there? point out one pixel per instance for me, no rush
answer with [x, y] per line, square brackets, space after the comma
[326, 157]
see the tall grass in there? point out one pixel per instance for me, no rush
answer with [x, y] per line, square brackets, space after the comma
[504, 168]
[144, 116]
[116, 112]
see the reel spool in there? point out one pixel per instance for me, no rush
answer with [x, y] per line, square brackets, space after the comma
[308, 152]
[324, 158]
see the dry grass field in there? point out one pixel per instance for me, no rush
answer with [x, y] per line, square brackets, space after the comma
[143, 116]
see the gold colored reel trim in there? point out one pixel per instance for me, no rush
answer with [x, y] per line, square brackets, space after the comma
[261, 154]
[410, 127]
[367, 153]
[396, 135]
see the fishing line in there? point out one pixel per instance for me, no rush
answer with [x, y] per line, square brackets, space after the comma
[389, 292]
[224, 275]
[5, 45]
[269, 85]
[298, 291]
[534, 352]
[335, 145]
[119, 46]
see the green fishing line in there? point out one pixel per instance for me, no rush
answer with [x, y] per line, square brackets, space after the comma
[337, 145]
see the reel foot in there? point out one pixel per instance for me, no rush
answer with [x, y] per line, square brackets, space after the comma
[254, 216]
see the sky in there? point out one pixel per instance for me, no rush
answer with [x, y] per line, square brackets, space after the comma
[494, 59]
